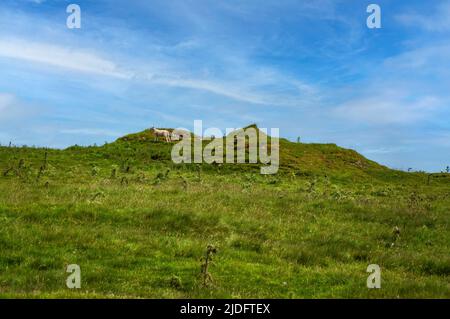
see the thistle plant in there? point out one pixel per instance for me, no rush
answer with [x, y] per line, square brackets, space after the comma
[206, 262]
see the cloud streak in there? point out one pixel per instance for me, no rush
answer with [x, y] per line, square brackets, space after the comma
[438, 21]
[251, 86]
[389, 108]
[60, 57]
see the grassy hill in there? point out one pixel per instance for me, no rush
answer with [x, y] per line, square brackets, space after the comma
[307, 158]
[138, 225]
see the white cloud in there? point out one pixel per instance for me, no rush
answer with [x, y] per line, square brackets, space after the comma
[388, 108]
[224, 89]
[250, 85]
[407, 88]
[227, 72]
[59, 56]
[429, 58]
[438, 21]
[256, 86]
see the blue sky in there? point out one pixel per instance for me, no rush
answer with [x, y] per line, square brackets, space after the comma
[311, 68]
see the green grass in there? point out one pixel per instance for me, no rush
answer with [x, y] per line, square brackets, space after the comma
[308, 232]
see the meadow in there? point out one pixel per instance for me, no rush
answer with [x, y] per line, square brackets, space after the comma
[139, 225]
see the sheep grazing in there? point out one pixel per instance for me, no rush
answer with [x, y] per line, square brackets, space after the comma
[163, 133]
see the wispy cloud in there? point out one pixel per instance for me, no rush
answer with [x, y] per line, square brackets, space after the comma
[426, 59]
[438, 21]
[389, 108]
[241, 91]
[59, 56]
[249, 84]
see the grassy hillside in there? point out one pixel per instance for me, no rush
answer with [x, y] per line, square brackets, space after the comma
[297, 157]
[138, 224]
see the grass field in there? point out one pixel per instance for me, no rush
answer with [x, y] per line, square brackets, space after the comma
[138, 225]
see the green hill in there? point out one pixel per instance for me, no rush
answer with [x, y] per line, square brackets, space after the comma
[138, 224]
[299, 158]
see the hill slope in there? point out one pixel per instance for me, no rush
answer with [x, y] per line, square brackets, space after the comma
[299, 158]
